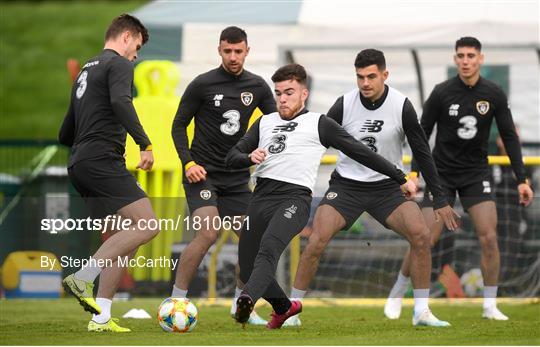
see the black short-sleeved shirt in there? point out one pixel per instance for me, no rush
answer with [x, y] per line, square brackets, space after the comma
[222, 104]
[464, 115]
[101, 111]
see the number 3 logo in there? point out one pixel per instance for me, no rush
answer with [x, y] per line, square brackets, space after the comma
[370, 141]
[278, 144]
[82, 84]
[232, 125]
[469, 129]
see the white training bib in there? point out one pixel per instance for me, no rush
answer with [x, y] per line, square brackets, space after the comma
[294, 148]
[381, 130]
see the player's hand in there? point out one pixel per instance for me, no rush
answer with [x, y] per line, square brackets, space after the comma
[450, 217]
[195, 174]
[258, 156]
[409, 189]
[414, 179]
[147, 161]
[525, 194]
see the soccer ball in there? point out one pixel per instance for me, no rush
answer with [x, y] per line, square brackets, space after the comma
[177, 315]
[472, 282]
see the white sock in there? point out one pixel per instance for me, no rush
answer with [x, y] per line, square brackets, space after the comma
[400, 287]
[237, 292]
[105, 315]
[297, 294]
[88, 273]
[421, 300]
[178, 293]
[490, 296]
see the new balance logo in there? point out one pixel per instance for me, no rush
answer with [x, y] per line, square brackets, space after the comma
[372, 126]
[453, 110]
[286, 127]
[487, 187]
[290, 211]
[217, 99]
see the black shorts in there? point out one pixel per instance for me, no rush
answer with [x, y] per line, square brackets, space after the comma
[352, 198]
[229, 192]
[470, 193]
[105, 185]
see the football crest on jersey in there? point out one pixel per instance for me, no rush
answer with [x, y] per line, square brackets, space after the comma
[205, 194]
[247, 98]
[482, 107]
[331, 195]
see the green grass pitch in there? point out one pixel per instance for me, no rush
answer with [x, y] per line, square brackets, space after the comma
[62, 322]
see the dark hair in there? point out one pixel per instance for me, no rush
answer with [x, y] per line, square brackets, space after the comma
[369, 57]
[469, 41]
[233, 34]
[126, 22]
[290, 72]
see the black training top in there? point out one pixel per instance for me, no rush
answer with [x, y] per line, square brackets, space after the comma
[222, 104]
[464, 115]
[101, 111]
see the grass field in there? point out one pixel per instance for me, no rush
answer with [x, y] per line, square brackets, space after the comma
[36, 40]
[62, 322]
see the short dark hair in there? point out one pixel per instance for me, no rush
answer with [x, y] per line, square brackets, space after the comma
[233, 34]
[126, 22]
[468, 41]
[290, 72]
[369, 57]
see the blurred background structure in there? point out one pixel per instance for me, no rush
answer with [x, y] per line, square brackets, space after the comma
[417, 37]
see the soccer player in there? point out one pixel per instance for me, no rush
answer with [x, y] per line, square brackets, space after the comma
[287, 146]
[100, 115]
[463, 108]
[222, 102]
[382, 118]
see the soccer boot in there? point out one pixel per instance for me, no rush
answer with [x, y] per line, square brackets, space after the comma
[83, 291]
[493, 313]
[392, 308]
[426, 318]
[277, 320]
[244, 307]
[110, 326]
[254, 318]
[293, 321]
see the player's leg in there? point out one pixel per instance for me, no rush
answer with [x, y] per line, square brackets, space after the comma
[407, 220]
[479, 201]
[326, 224]
[254, 317]
[109, 279]
[115, 191]
[340, 207]
[234, 195]
[287, 221]
[484, 218]
[193, 254]
[202, 202]
[392, 308]
[259, 214]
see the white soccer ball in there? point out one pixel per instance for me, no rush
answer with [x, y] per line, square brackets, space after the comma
[177, 315]
[472, 282]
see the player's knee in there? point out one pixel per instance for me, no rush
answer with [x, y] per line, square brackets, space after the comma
[207, 237]
[488, 240]
[420, 238]
[316, 244]
[148, 235]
